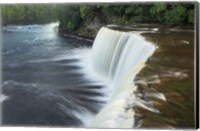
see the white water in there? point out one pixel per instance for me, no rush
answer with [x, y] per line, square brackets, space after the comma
[118, 57]
[3, 98]
[52, 27]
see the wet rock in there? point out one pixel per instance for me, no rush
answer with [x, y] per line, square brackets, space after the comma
[156, 103]
[147, 106]
[153, 80]
[142, 83]
[138, 121]
[159, 96]
[184, 42]
[175, 74]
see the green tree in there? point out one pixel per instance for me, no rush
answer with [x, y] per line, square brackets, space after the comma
[157, 12]
[176, 15]
[191, 16]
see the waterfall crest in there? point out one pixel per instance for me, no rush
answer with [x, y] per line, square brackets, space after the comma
[118, 56]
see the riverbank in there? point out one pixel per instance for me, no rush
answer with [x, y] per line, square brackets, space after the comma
[89, 32]
[86, 32]
[78, 35]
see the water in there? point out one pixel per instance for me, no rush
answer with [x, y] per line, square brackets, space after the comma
[173, 69]
[49, 80]
[118, 56]
[46, 79]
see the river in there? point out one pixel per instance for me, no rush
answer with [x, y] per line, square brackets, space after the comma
[43, 78]
[48, 80]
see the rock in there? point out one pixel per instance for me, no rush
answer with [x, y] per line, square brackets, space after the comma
[175, 74]
[154, 80]
[141, 83]
[159, 96]
[184, 42]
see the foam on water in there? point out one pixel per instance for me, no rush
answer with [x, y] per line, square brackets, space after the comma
[4, 98]
[32, 28]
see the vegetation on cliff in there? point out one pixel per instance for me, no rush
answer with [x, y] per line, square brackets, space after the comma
[72, 17]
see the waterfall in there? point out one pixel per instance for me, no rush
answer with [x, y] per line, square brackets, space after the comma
[118, 56]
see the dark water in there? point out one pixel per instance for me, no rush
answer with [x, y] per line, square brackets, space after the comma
[171, 71]
[42, 79]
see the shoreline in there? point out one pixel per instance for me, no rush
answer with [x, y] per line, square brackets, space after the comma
[89, 33]
[66, 33]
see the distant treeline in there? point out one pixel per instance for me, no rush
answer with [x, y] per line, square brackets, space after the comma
[28, 14]
[73, 16]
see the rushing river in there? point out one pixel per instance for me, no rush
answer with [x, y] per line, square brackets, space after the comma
[43, 78]
[48, 79]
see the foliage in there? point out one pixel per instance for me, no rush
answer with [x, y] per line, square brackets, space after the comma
[158, 11]
[22, 14]
[72, 17]
[69, 17]
[85, 10]
[191, 16]
[176, 15]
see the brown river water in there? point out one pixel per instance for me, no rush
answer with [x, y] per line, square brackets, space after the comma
[169, 71]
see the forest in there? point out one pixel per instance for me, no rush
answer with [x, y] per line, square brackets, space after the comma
[75, 16]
